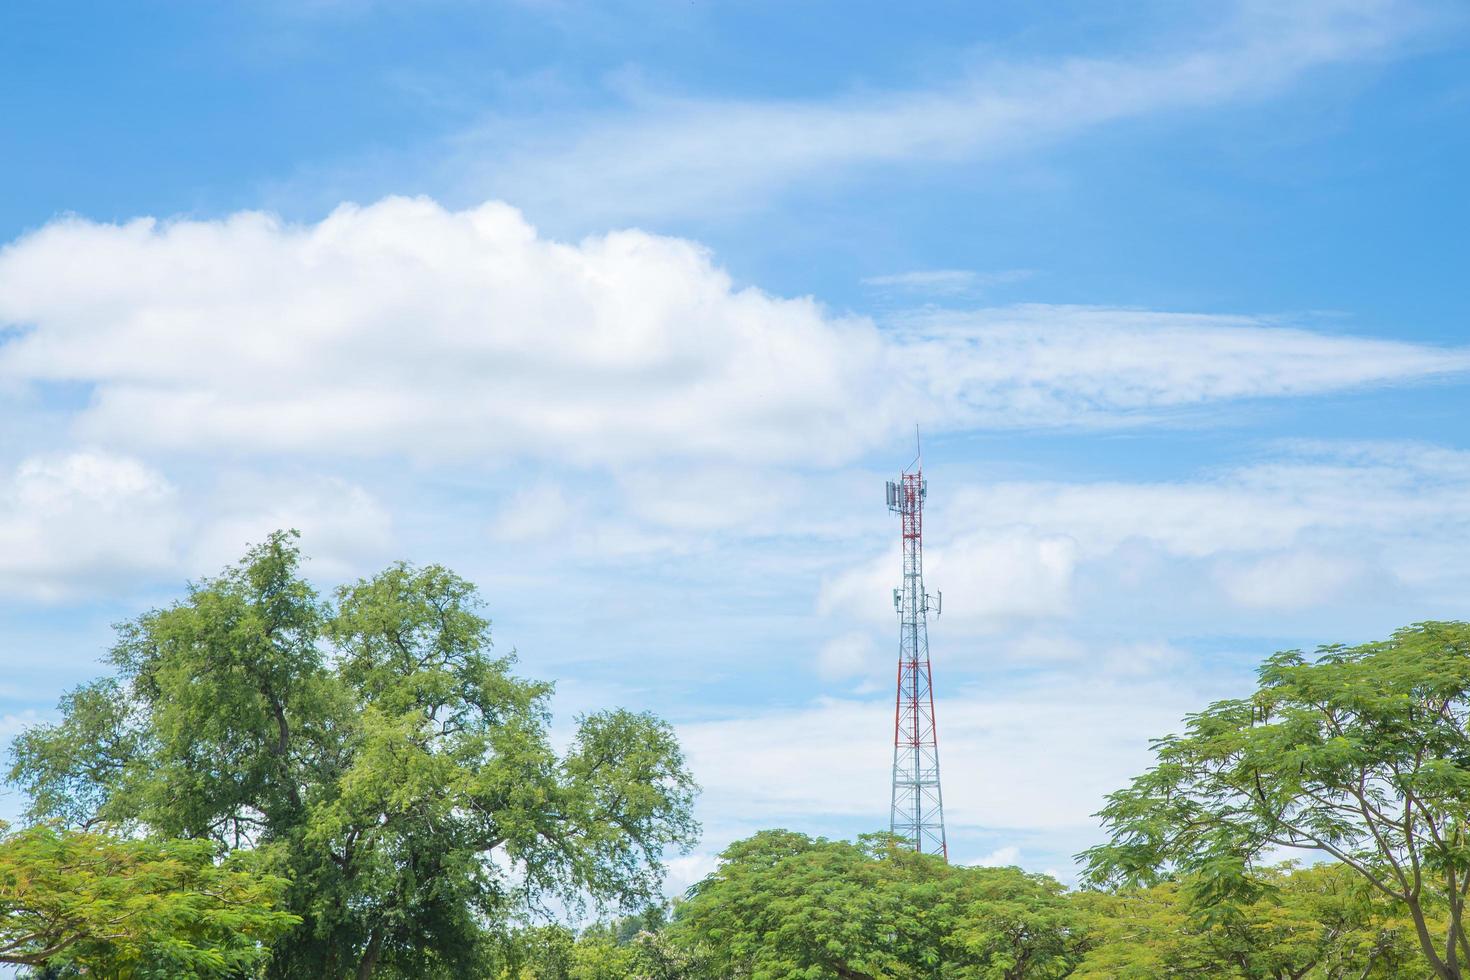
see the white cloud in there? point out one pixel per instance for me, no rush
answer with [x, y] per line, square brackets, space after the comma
[1288, 580]
[73, 524]
[1139, 659]
[989, 578]
[1044, 365]
[12, 724]
[706, 498]
[935, 280]
[1305, 527]
[1122, 660]
[1039, 756]
[849, 655]
[1370, 528]
[345, 530]
[403, 328]
[946, 282]
[1297, 494]
[81, 520]
[685, 870]
[532, 513]
[668, 155]
[1001, 857]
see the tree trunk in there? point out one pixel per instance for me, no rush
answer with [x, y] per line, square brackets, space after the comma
[370, 955]
[282, 748]
[1441, 969]
[1452, 954]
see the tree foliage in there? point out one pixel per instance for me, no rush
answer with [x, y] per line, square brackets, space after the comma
[1360, 753]
[1321, 921]
[786, 905]
[404, 771]
[133, 909]
[782, 905]
[631, 948]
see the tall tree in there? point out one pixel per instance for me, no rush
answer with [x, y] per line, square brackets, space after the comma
[1360, 753]
[130, 909]
[407, 773]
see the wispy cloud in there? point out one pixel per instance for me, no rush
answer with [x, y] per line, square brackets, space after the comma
[1039, 364]
[668, 155]
[1002, 752]
[1310, 528]
[946, 282]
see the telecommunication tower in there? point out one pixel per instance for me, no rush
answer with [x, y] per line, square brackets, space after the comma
[918, 805]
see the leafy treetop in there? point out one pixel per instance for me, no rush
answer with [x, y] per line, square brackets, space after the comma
[134, 909]
[403, 770]
[1360, 753]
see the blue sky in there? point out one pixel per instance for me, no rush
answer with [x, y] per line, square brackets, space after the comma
[627, 310]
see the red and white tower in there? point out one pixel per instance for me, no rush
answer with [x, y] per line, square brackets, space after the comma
[918, 804]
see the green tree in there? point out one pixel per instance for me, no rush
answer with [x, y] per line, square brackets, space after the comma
[784, 905]
[554, 952]
[532, 953]
[128, 908]
[657, 957]
[634, 947]
[1319, 922]
[404, 771]
[1360, 753]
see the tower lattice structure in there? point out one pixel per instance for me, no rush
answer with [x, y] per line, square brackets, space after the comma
[918, 803]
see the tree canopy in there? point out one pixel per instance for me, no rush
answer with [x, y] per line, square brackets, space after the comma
[406, 775]
[1360, 753]
[132, 908]
[783, 904]
[1321, 921]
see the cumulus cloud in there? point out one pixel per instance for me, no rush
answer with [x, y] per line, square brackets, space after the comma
[1001, 857]
[402, 327]
[82, 520]
[79, 523]
[345, 529]
[405, 328]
